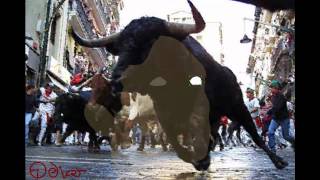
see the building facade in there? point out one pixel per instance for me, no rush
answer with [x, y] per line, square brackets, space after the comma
[93, 19]
[211, 38]
[272, 54]
[35, 16]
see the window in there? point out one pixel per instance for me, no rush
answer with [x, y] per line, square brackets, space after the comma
[53, 29]
[66, 58]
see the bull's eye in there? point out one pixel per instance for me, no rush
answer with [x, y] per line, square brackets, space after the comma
[195, 81]
[158, 81]
[61, 114]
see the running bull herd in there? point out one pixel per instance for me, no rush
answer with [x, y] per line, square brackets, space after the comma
[158, 59]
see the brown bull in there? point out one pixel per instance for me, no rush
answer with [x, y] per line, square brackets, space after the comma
[102, 119]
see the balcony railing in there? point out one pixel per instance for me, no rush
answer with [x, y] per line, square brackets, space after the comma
[84, 20]
[102, 14]
[103, 54]
[88, 27]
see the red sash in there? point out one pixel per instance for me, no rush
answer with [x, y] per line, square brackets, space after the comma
[258, 122]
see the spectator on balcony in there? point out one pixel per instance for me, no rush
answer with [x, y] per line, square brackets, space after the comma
[77, 64]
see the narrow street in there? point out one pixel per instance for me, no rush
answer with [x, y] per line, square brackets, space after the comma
[125, 70]
[236, 163]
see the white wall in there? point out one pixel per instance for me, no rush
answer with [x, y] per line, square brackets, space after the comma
[35, 10]
[57, 49]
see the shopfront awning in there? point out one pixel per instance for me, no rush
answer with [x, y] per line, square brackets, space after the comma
[57, 83]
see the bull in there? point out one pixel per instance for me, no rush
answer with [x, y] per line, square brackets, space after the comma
[112, 126]
[160, 58]
[69, 109]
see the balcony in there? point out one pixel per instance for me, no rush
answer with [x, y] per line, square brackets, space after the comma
[86, 24]
[103, 14]
[94, 6]
[104, 54]
[84, 28]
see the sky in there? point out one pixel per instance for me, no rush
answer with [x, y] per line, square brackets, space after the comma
[228, 12]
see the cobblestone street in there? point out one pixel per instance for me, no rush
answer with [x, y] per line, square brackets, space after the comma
[236, 163]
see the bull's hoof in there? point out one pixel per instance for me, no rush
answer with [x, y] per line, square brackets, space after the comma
[90, 149]
[164, 148]
[221, 147]
[78, 143]
[96, 149]
[279, 162]
[281, 165]
[203, 164]
[293, 146]
[114, 147]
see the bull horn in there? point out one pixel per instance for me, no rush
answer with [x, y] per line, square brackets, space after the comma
[101, 42]
[108, 79]
[85, 83]
[181, 29]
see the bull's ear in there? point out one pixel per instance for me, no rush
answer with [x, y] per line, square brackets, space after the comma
[112, 48]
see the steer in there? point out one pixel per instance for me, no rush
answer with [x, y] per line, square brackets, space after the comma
[190, 90]
[111, 125]
[69, 108]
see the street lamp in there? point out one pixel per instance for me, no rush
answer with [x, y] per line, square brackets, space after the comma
[245, 38]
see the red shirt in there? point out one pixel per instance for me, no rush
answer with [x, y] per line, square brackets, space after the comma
[76, 79]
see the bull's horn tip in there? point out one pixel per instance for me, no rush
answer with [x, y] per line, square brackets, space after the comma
[190, 3]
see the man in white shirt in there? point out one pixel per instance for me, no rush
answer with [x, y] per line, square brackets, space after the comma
[46, 108]
[253, 107]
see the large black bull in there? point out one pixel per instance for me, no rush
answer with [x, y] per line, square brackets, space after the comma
[159, 58]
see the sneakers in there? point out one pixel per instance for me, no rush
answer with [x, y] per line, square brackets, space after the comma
[58, 140]
[58, 143]
[39, 144]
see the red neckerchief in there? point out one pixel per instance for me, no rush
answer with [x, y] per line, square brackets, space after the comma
[48, 92]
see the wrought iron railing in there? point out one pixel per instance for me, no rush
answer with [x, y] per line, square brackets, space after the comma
[103, 54]
[84, 20]
[102, 13]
